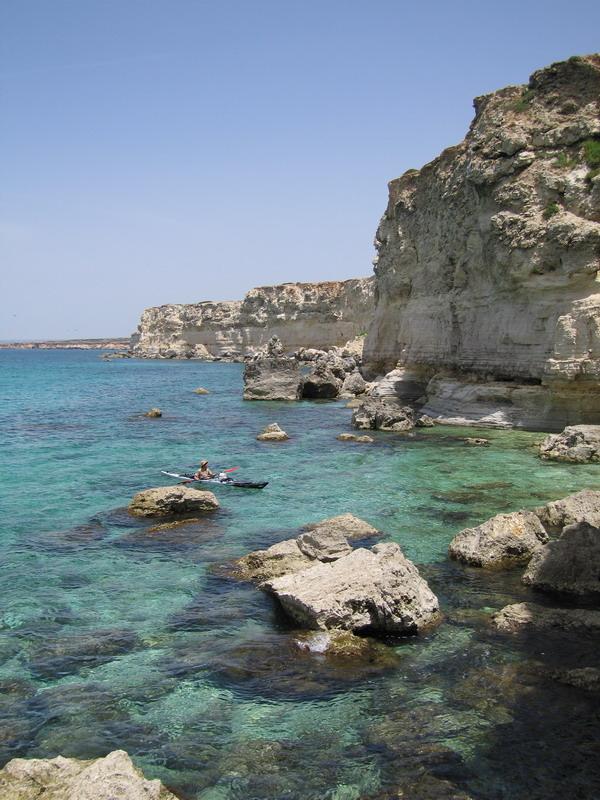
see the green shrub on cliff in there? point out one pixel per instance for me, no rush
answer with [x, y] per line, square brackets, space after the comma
[522, 103]
[550, 210]
[591, 154]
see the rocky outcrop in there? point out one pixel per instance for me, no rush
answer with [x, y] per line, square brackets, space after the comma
[570, 565]
[353, 437]
[153, 413]
[319, 542]
[584, 505]
[166, 501]
[321, 383]
[302, 315]
[108, 778]
[518, 616]
[367, 591]
[486, 276]
[383, 415]
[272, 433]
[272, 378]
[578, 444]
[504, 541]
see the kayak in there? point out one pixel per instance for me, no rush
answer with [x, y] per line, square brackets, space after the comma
[223, 482]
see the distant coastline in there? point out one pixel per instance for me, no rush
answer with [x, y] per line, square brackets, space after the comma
[118, 343]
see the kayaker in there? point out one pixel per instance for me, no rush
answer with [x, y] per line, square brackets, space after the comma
[204, 472]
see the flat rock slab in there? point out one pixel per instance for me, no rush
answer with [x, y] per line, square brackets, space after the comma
[347, 524]
[529, 615]
[501, 542]
[110, 778]
[369, 591]
[569, 565]
[165, 501]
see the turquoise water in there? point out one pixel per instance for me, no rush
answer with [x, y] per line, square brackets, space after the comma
[115, 636]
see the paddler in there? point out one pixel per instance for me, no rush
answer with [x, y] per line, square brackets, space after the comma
[203, 473]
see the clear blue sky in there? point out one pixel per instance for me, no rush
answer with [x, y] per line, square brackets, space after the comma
[159, 151]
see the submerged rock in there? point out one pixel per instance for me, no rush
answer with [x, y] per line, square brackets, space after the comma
[584, 505]
[113, 777]
[529, 615]
[570, 564]
[353, 437]
[272, 433]
[587, 678]
[369, 591]
[476, 441]
[503, 541]
[165, 501]
[153, 413]
[383, 415]
[578, 444]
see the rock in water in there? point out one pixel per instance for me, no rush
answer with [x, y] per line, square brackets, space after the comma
[110, 778]
[488, 259]
[167, 501]
[272, 378]
[476, 441]
[201, 390]
[154, 413]
[353, 437]
[354, 384]
[346, 524]
[383, 415]
[584, 505]
[321, 384]
[272, 433]
[578, 444]
[528, 615]
[569, 565]
[503, 541]
[370, 591]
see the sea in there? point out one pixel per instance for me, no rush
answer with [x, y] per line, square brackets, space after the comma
[117, 636]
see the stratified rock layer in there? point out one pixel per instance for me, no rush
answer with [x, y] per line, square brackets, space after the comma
[111, 778]
[311, 315]
[488, 262]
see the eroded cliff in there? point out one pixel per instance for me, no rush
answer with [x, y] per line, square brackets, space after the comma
[312, 315]
[489, 256]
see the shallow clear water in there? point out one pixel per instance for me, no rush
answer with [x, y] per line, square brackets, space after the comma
[114, 636]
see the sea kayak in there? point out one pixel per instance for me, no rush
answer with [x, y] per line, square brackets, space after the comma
[221, 481]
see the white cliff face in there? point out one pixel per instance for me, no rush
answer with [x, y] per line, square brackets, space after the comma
[489, 257]
[311, 315]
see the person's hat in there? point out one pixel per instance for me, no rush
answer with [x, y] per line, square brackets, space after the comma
[202, 463]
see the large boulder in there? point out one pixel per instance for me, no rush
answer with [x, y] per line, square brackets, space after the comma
[354, 384]
[166, 501]
[272, 378]
[383, 415]
[110, 778]
[326, 540]
[529, 615]
[578, 444]
[368, 591]
[569, 565]
[503, 541]
[321, 383]
[584, 505]
[272, 433]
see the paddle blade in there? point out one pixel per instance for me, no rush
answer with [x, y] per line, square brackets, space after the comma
[231, 469]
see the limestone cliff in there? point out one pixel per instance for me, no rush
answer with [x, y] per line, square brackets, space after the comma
[312, 315]
[489, 256]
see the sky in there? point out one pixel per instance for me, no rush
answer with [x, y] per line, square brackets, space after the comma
[166, 151]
